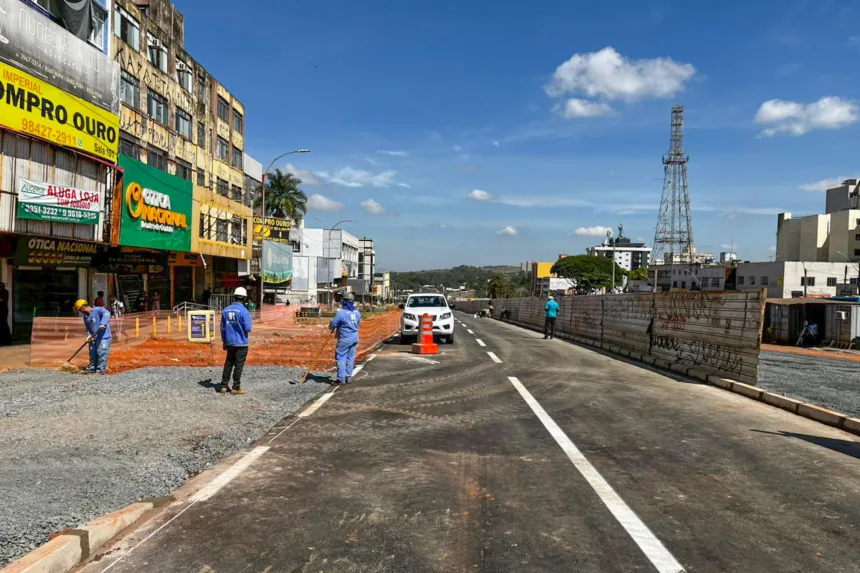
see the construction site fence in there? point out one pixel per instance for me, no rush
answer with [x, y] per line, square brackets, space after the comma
[716, 332]
[160, 338]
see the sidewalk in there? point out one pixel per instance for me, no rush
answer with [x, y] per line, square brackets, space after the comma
[14, 357]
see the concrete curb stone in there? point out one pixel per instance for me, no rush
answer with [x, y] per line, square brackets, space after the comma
[56, 556]
[102, 529]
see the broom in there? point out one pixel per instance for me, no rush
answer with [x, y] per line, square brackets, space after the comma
[307, 373]
[67, 366]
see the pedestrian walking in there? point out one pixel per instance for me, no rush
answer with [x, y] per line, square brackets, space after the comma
[346, 323]
[117, 309]
[100, 299]
[156, 302]
[97, 323]
[551, 308]
[235, 327]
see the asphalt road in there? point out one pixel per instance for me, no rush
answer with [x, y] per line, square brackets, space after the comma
[540, 457]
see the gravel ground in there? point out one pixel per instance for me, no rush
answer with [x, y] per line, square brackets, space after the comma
[75, 447]
[827, 382]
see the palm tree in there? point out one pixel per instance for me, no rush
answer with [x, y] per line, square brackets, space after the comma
[283, 196]
[497, 286]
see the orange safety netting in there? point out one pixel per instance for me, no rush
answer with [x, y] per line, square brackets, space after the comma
[282, 338]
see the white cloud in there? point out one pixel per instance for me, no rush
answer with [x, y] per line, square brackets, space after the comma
[542, 202]
[772, 249]
[739, 211]
[457, 148]
[371, 207]
[596, 231]
[393, 153]
[496, 144]
[799, 118]
[575, 107]
[307, 177]
[609, 75]
[351, 177]
[510, 231]
[823, 184]
[406, 185]
[480, 195]
[317, 202]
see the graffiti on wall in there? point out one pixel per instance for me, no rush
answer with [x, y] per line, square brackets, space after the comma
[137, 65]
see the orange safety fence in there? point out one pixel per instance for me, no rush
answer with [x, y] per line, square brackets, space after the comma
[281, 339]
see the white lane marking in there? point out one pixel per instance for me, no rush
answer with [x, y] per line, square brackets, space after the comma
[232, 473]
[371, 357]
[422, 359]
[316, 405]
[495, 358]
[653, 549]
[480, 342]
[469, 331]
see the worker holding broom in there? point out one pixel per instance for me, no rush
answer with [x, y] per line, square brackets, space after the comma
[97, 323]
[346, 323]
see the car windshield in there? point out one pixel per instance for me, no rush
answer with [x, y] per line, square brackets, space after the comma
[426, 301]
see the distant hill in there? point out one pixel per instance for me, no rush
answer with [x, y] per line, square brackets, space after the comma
[474, 278]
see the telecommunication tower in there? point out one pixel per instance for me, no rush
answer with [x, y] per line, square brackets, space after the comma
[674, 233]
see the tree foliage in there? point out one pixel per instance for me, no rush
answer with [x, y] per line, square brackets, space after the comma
[590, 273]
[498, 287]
[475, 279]
[283, 196]
[640, 274]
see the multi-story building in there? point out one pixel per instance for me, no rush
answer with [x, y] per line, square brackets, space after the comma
[176, 119]
[728, 257]
[382, 286]
[627, 254]
[540, 271]
[58, 151]
[793, 279]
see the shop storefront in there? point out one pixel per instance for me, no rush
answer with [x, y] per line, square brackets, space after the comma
[156, 223]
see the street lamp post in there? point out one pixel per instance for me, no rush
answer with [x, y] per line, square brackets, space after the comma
[263, 216]
[610, 239]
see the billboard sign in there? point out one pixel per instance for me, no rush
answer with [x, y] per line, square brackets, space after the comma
[31, 42]
[272, 229]
[277, 262]
[51, 252]
[46, 202]
[156, 208]
[35, 107]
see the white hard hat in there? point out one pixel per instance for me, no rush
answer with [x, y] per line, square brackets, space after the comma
[240, 291]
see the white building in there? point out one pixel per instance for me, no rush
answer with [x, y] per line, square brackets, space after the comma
[366, 259]
[684, 257]
[788, 279]
[690, 277]
[627, 254]
[728, 257]
[555, 285]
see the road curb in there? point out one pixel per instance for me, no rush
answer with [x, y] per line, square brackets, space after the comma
[74, 546]
[810, 411]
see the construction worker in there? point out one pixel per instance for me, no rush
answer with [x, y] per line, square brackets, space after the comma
[97, 323]
[551, 309]
[235, 327]
[346, 322]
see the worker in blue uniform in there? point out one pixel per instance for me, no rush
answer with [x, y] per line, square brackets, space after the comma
[346, 323]
[97, 323]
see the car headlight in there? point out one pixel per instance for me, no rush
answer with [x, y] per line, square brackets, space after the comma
[445, 316]
[408, 316]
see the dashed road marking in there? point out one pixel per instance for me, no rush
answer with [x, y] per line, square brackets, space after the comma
[480, 342]
[495, 358]
[469, 331]
[320, 401]
[653, 549]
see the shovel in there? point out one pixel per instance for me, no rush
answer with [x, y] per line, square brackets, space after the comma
[307, 373]
[67, 365]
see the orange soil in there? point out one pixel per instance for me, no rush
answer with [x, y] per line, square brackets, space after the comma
[815, 352]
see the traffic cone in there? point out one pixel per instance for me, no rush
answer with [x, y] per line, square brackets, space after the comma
[426, 344]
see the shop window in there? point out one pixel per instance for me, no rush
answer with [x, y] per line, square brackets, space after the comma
[129, 148]
[238, 122]
[97, 31]
[129, 90]
[156, 159]
[183, 123]
[201, 177]
[223, 109]
[183, 169]
[237, 157]
[223, 150]
[156, 107]
[156, 53]
[201, 134]
[236, 192]
[221, 230]
[223, 187]
[127, 29]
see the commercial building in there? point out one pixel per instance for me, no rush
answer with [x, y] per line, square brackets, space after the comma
[184, 132]
[58, 149]
[691, 277]
[382, 286]
[792, 279]
[627, 254]
[540, 271]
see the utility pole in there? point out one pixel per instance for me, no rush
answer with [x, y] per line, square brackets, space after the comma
[609, 238]
[805, 281]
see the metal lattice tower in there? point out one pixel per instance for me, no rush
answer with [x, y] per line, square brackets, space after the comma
[674, 233]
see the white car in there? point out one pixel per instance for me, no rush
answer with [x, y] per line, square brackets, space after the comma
[416, 306]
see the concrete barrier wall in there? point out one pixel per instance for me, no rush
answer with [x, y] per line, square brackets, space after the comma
[718, 332]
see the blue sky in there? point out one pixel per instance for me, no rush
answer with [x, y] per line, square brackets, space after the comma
[552, 116]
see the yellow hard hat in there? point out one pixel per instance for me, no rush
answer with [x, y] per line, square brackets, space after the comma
[79, 303]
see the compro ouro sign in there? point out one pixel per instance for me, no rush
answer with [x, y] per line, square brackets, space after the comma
[47, 202]
[156, 208]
